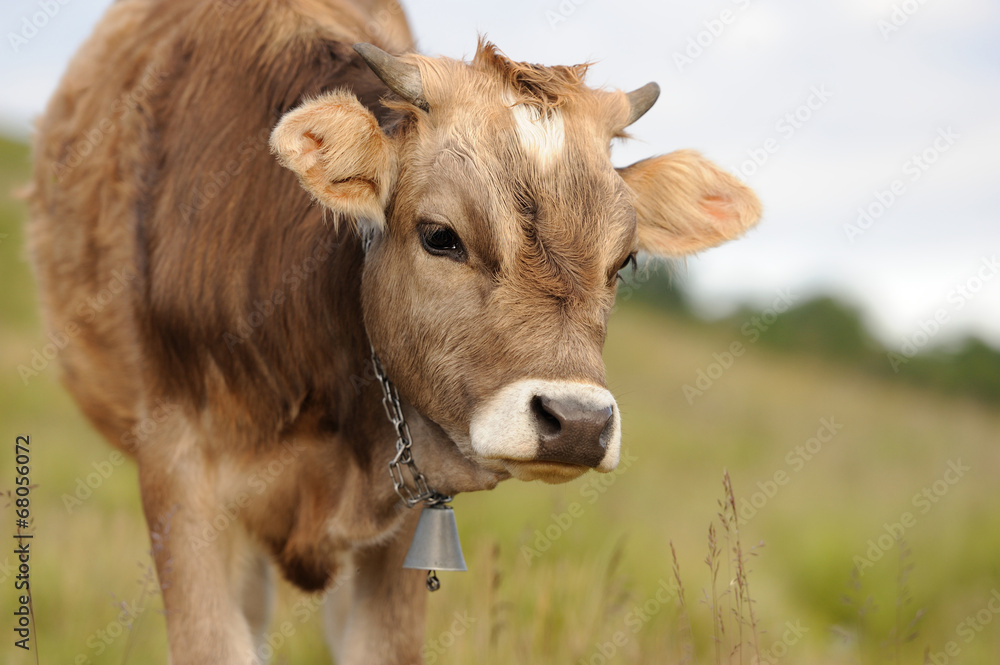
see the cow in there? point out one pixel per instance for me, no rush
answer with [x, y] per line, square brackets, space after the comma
[284, 190]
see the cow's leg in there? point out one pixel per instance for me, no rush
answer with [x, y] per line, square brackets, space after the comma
[197, 547]
[257, 593]
[376, 616]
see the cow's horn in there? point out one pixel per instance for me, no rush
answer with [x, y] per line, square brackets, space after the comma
[401, 77]
[640, 100]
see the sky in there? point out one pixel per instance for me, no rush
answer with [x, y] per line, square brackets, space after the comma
[870, 129]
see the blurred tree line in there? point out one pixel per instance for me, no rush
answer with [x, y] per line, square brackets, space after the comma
[827, 328]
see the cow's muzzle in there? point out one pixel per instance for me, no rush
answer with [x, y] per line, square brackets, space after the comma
[550, 430]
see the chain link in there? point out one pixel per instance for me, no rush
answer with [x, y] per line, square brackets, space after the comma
[410, 484]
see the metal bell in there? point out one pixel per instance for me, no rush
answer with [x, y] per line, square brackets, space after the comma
[435, 543]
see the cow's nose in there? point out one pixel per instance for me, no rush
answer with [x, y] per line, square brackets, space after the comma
[570, 432]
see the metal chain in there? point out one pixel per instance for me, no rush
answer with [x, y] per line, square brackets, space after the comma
[404, 455]
[394, 410]
[416, 490]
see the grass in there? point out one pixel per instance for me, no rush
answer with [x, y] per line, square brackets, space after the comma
[633, 538]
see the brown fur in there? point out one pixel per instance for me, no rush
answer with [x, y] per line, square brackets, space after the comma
[246, 311]
[546, 87]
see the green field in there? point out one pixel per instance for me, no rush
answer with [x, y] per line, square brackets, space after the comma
[829, 465]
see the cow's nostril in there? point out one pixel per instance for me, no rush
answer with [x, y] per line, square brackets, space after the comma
[571, 431]
[549, 424]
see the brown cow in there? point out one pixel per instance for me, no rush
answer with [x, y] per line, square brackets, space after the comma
[236, 364]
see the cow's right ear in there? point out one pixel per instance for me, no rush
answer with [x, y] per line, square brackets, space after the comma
[340, 154]
[684, 203]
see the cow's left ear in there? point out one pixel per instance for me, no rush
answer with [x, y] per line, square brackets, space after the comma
[685, 203]
[340, 154]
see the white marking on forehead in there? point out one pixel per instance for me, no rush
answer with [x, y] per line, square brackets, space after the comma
[541, 136]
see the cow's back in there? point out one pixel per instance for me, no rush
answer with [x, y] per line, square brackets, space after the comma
[158, 215]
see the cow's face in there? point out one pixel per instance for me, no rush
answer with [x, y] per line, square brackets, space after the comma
[499, 228]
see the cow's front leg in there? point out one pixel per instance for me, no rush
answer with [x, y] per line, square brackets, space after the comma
[199, 552]
[257, 593]
[376, 615]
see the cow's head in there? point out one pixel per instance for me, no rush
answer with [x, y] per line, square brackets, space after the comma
[499, 228]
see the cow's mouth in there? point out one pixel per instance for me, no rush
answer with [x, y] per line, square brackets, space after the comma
[548, 472]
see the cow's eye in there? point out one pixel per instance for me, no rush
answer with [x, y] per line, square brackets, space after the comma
[441, 241]
[630, 261]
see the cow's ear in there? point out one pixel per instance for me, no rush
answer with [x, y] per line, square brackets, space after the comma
[340, 154]
[685, 203]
